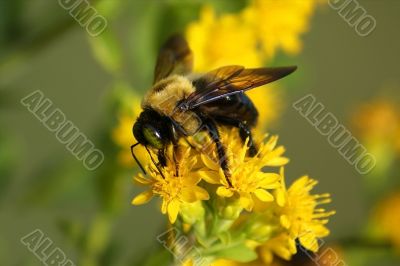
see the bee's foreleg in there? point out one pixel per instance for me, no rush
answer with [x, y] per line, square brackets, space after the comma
[157, 165]
[161, 158]
[223, 159]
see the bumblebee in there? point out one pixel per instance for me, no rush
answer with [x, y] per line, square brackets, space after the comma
[181, 103]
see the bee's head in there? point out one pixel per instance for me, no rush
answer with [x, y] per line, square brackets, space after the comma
[151, 129]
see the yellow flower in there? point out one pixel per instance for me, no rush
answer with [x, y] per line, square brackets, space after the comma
[247, 178]
[282, 245]
[174, 190]
[289, 215]
[386, 219]
[224, 40]
[279, 24]
[300, 218]
[251, 36]
[300, 213]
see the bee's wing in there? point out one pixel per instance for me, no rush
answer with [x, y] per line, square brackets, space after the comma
[214, 79]
[230, 80]
[175, 57]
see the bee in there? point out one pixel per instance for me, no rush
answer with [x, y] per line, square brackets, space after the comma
[181, 103]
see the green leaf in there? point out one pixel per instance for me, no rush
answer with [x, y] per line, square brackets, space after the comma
[239, 253]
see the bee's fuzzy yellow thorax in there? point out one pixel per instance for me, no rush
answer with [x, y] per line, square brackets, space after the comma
[164, 96]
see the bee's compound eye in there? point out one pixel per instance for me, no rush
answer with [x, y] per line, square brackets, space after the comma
[153, 136]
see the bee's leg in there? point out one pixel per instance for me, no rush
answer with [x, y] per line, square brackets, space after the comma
[223, 159]
[154, 162]
[175, 140]
[190, 144]
[161, 158]
[176, 161]
[245, 133]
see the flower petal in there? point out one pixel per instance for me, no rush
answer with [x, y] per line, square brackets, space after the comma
[140, 180]
[266, 254]
[280, 196]
[211, 177]
[164, 206]
[201, 193]
[210, 163]
[191, 179]
[193, 194]
[278, 161]
[173, 210]
[309, 241]
[285, 222]
[263, 195]
[224, 192]
[270, 180]
[188, 195]
[246, 202]
[142, 198]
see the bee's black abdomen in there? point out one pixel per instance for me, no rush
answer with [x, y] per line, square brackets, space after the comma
[236, 107]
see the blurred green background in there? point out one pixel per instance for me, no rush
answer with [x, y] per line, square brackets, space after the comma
[88, 214]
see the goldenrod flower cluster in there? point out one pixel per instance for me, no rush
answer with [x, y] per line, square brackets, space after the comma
[252, 36]
[257, 215]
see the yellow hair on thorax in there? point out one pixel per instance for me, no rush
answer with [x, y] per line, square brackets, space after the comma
[164, 96]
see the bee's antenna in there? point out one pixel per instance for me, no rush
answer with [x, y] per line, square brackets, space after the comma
[154, 162]
[136, 159]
